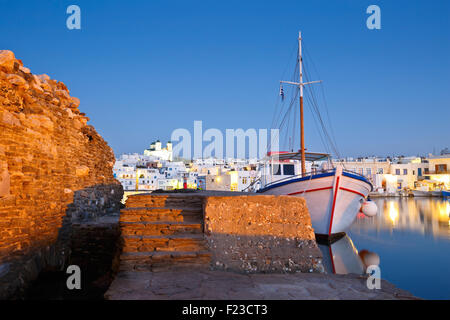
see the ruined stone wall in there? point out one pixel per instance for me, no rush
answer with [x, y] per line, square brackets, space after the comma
[54, 168]
[261, 233]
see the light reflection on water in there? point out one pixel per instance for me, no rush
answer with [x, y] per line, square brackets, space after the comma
[427, 216]
[412, 238]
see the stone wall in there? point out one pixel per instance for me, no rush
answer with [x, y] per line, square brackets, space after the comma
[54, 168]
[262, 233]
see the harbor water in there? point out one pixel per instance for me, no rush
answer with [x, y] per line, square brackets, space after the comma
[411, 236]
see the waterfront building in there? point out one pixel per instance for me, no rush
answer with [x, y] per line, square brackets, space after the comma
[408, 171]
[388, 175]
[226, 174]
[439, 171]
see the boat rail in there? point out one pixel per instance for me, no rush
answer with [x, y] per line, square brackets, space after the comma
[300, 176]
[355, 173]
[314, 173]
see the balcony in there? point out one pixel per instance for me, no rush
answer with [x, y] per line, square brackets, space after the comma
[431, 172]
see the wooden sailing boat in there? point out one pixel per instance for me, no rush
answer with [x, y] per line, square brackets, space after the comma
[334, 196]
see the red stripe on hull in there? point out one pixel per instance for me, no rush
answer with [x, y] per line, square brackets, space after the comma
[353, 191]
[310, 190]
[334, 204]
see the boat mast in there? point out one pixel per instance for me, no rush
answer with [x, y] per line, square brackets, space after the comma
[302, 130]
[300, 85]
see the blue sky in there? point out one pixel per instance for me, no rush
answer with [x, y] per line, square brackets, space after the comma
[144, 68]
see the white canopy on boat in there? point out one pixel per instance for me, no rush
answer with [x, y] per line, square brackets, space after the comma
[309, 156]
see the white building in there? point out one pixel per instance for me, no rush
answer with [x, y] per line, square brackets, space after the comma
[157, 151]
[387, 175]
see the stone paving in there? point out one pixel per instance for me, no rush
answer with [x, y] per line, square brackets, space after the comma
[205, 284]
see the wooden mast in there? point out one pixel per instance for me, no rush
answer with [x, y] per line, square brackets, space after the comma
[302, 130]
[300, 85]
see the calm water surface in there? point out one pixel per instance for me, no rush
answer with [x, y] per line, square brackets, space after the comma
[412, 238]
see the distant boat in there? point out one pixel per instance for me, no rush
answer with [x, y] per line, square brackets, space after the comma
[421, 193]
[428, 188]
[436, 193]
[334, 197]
[427, 193]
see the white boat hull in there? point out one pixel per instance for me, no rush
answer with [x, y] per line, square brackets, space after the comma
[422, 193]
[333, 198]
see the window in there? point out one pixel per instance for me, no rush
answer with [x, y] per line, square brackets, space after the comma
[380, 170]
[405, 172]
[397, 172]
[368, 171]
[288, 170]
[276, 169]
[361, 170]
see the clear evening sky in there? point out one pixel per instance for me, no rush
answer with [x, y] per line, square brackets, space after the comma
[144, 68]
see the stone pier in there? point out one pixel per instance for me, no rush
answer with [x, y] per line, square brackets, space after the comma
[226, 231]
[223, 245]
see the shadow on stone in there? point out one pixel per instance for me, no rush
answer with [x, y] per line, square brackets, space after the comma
[88, 237]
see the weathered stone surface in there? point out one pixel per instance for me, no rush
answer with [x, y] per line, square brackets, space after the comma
[262, 233]
[203, 284]
[243, 232]
[54, 169]
[7, 60]
[5, 181]
[17, 80]
[162, 231]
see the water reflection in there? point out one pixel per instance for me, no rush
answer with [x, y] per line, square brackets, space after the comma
[342, 257]
[422, 216]
[412, 238]
[428, 216]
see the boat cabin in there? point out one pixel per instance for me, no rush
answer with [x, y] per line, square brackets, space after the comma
[284, 165]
